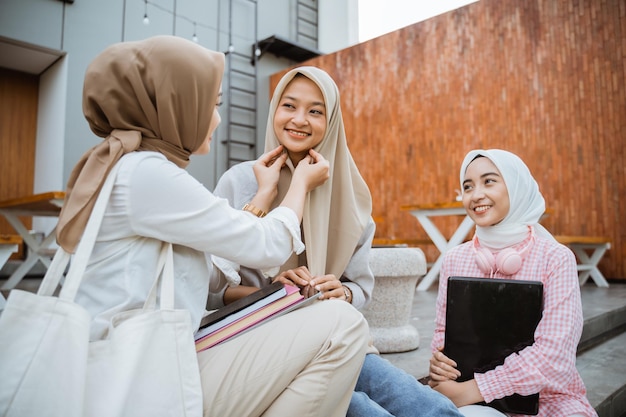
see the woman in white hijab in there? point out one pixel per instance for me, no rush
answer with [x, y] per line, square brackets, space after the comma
[503, 199]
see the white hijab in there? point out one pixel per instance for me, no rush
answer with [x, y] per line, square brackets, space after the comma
[526, 202]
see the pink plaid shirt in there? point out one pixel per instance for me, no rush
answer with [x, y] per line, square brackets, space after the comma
[549, 365]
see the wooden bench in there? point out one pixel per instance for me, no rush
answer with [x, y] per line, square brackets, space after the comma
[589, 250]
[38, 250]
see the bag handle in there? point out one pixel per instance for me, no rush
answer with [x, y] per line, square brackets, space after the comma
[53, 275]
[165, 271]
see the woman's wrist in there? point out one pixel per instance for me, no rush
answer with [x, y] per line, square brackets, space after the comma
[254, 210]
[266, 194]
[348, 293]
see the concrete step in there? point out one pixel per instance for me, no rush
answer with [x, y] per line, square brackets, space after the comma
[603, 370]
[601, 359]
[604, 311]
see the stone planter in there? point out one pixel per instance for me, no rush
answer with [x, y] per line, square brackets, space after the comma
[396, 271]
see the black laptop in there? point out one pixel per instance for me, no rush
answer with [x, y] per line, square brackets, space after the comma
[487, 319]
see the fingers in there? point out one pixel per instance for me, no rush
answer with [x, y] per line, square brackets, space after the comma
[315, 156]
[440, 356]
[299, 277]
[442, 368]
[269, 157]
[278, 161]
[285, 281]
[308, 291]
[329, 286]
[313, 170]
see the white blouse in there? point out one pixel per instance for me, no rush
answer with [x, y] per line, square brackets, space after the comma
[155, 201]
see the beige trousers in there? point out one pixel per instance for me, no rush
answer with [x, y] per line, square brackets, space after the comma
[304, 363]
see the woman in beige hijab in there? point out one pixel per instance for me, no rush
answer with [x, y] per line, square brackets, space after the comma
[305, 113]
[155, 103]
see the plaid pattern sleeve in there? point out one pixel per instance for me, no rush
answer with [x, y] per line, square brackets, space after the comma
[549, 365]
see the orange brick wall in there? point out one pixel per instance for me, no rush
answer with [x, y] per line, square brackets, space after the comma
[543, 79]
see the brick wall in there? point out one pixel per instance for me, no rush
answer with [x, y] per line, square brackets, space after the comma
[543, 79]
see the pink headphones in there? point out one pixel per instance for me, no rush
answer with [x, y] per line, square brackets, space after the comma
[508, 261]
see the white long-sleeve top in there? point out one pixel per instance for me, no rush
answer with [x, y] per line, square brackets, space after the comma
[155, 201]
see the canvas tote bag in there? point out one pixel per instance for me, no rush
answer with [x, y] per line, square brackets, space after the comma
[146, 366]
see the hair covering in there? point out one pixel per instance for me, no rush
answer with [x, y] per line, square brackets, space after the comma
[336, 213]
[157, 95]
[526, 202]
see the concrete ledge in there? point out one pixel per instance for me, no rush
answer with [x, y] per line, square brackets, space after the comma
[396, 271]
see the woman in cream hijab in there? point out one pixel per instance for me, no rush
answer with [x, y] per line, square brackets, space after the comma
[337, 226]
[305, 113]
[155, 103]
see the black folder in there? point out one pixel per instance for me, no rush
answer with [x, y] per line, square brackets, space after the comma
[487, 319]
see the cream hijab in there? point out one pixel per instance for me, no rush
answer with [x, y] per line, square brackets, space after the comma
[526, 202]
[157, 95]
[336, 213]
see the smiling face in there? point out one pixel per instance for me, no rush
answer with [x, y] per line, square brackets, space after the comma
[300, 117]
[485, 196]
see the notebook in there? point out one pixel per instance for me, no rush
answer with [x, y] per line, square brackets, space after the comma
[240, 308]
[293, 300]
[487, 319]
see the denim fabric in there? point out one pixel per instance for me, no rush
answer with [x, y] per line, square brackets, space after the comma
[385, 390]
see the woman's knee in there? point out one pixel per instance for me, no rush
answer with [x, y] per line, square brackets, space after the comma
[348, 317]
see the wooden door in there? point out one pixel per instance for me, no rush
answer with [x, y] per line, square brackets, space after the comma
[18, 127]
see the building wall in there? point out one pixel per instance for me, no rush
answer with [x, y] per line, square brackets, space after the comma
[545, 79]
[84, 28]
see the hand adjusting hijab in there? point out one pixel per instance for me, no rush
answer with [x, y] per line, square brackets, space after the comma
[336, 213]
[152, 95]
[526, 202]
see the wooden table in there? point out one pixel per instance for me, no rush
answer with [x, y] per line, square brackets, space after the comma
[588, 263]
[44, 204]
[423, 213]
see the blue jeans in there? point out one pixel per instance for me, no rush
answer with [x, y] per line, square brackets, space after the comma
[387, 391]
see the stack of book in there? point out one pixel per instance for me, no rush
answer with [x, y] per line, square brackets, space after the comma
[247, 312]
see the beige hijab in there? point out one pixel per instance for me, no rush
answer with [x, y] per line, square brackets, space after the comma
[336, 213]
[152, 95]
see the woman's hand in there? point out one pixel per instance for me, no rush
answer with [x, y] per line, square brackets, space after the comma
[461, 393]
[298, 277]
[312, 171]
[267, 171]
[442, 369]
[329, 286]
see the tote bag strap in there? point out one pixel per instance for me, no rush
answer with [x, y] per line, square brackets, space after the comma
[83, 251]
[54, 273]
[164, 275]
